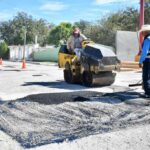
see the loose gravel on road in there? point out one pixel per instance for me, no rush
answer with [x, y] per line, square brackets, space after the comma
[51, 118]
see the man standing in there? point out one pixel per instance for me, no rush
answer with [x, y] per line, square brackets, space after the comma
[145, 59]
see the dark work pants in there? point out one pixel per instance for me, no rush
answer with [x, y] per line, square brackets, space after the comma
[146, 76]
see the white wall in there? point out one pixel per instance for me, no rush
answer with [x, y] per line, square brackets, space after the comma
[16, 52]
[127, 45]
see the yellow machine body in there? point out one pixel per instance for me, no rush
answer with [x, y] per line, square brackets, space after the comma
[64, 58]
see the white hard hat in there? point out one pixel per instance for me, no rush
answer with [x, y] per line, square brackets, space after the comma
[145, 28]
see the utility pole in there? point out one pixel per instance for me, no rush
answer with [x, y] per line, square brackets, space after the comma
[141, 20]
[142, 2]
[24, 60]
[25, 37]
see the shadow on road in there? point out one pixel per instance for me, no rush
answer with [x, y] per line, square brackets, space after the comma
[123, 95]
[58, 98]
[9, 66]
[128, 97]
[57, 84]
[9, 70]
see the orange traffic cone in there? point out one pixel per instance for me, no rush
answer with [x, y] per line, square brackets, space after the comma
[1, 61]
[23, 64]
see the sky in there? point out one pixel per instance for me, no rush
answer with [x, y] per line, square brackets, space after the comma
[56, 11]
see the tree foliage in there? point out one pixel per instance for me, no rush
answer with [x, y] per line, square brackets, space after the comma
[60, 33]
[3, 49]
[104, 30]
[147, 11]
[12, 31]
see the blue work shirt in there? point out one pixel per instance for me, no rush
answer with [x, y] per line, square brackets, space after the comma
[145, 49]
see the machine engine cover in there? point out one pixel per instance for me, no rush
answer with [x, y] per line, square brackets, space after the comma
[96, 54]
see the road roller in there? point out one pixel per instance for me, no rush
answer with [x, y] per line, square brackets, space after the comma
[97, 65]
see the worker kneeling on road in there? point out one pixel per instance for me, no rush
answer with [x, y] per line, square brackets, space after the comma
[145, 59]
[74, 43]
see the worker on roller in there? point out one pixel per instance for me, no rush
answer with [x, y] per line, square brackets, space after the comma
[74, 43]
[145, 59]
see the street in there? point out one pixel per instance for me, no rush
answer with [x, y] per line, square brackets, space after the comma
[40, 111]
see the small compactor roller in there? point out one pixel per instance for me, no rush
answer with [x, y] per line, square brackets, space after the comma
[96, 65]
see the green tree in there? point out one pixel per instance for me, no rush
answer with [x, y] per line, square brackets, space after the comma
[147, 11]
[60, 33]
[104, 31]
[3, 49]
[41, 30]
[12, 31]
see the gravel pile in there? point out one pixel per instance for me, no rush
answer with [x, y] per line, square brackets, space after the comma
[48, 118]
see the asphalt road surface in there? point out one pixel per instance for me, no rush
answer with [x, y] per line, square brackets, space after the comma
[37, 107]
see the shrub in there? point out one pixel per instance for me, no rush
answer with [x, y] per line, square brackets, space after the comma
[3, 49]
